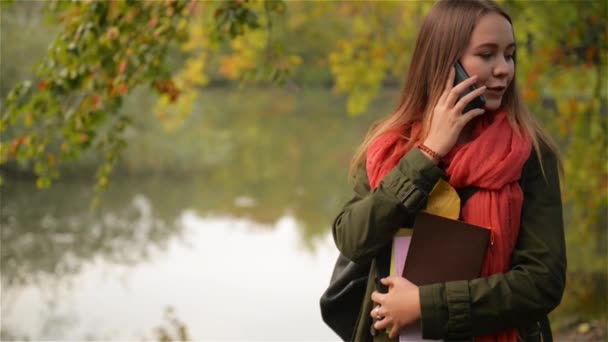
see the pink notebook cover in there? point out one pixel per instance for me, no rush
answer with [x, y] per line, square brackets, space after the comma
[401, 245]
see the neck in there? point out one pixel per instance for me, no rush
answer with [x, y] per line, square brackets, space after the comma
[467, 132]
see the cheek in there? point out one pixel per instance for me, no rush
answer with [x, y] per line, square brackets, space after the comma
[475, 66]
[511, 72]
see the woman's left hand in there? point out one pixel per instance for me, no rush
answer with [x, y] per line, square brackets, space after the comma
[399, 307]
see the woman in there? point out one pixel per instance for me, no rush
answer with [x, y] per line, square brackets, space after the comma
[498, 151]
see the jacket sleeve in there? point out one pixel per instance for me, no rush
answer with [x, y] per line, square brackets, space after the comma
[533, 286]
[372, 217]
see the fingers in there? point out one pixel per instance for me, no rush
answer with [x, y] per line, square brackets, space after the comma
[377, 313]
[468, 98]
[458, 89]
[394, 332]
[388, 281]
[386, 322]
[449, 84]
[378, 297]
[470, 115]
[451, 78]
[382, 323]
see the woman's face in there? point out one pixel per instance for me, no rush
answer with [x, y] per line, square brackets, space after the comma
[490, 57]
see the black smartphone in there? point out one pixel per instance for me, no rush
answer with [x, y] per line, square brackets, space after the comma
[461, 75]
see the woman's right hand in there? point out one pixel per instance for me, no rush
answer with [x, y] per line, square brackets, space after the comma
[447, 119]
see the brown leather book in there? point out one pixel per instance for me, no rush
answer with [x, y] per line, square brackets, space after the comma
[443, 250]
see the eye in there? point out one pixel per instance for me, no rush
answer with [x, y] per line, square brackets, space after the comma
[486, 56]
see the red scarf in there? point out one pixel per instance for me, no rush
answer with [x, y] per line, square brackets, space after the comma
[493, 162]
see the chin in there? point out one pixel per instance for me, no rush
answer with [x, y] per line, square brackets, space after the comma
[493, 104]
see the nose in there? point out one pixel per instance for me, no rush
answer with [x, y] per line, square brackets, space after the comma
[502, 67]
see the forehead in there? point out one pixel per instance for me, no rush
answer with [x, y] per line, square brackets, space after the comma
[492, 28]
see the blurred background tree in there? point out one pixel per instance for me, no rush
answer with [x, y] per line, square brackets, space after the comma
[102, 51]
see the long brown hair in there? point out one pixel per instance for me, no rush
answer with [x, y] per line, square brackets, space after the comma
[443, 38]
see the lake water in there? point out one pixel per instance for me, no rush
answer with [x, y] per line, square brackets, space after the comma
[225, 221]
[225, 279]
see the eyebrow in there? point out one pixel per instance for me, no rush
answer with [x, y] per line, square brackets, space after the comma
[493, 45]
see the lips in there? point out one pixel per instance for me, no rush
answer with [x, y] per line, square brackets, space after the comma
[495, 91]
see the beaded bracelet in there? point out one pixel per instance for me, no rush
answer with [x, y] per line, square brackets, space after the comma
[430, 152]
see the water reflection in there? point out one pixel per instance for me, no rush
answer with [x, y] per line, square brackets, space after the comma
[257, 153]
[52, 233]
[228, 279]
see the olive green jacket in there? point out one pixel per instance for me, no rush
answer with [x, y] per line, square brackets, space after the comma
[459, 310]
